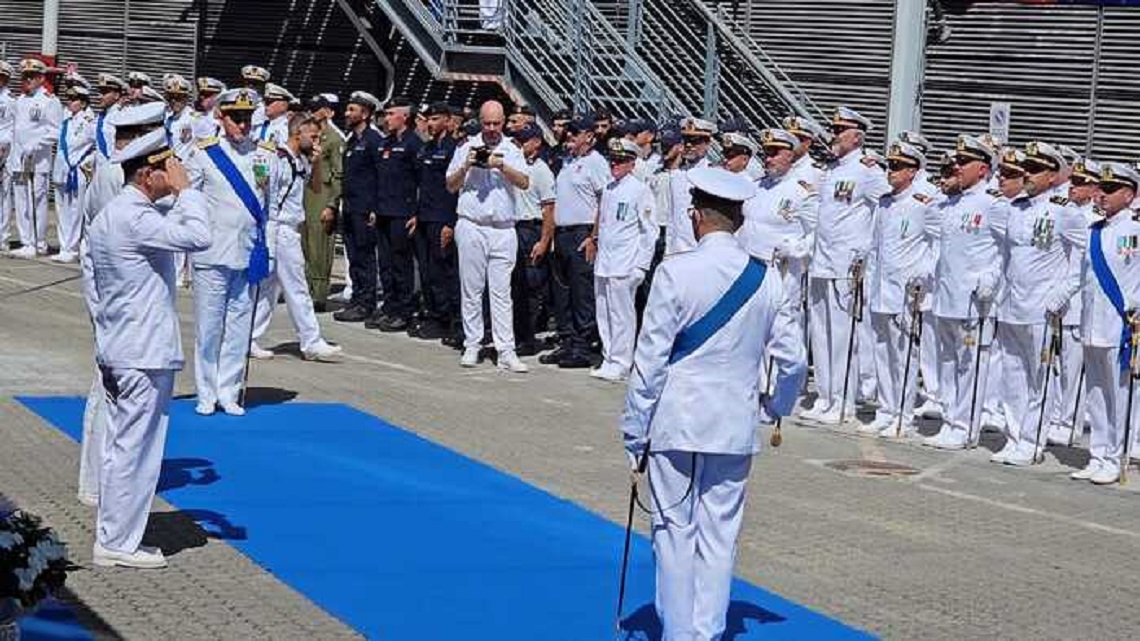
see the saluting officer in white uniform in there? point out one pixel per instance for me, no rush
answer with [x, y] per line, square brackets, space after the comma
[807, 132]
[1110, 293]
[112, 98]
[106, 183]
[205, 121]
[255, 79]
[848, 195]
[626, 234]
[900, 267]
[971, 231]
[779, 221]
[696, 135]
[693, 401]
[1068, 402]
[179, 123]
[137, 337]
[36, 121]
[74, 164]
[290, 173]
[1042, 233]
[137, 83]
[7, 115]
[275, 127]
[222, 304]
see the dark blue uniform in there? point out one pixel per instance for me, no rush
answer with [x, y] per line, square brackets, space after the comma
[436, 210]
[360, 197]
[398, 200]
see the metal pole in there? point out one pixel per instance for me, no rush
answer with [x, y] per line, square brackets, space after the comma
[904, 110]
[579, 58]
[712, 73]
[633, 29]
[50, 36]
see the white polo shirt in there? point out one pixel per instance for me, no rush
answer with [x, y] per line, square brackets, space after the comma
[486, 196]
[529, 202]
[579, 189]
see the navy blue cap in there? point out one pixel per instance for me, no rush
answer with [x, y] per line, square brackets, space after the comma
[580, 124]
[529, 132]
[669, 138]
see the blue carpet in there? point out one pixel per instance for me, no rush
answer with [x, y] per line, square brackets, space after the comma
[404, 539]
[52, 621]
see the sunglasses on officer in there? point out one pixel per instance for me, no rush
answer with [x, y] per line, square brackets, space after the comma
[1112, 188]
[899, 165]
[838, 128]
[962, 161]
[695, 139]
[1033, 167]
[1010, 174]
[239, 117]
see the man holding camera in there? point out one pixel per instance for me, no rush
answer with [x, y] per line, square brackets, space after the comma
[485, 171]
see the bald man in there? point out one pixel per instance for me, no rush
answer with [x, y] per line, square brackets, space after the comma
[485, 172]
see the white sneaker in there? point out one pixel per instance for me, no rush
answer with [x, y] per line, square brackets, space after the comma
[607, 373]
[832, 416]
[1024, 455]
[205, 408]
[470, 357]
[1105, 475]
[891, 429]
[90, 500]
[1005, 452]
[323, 353]
[145, 557]
[947, 440]
[260, 353]
[509, 361]
[1087, 473]
[27, 251]
[874, 427]
[64, 257]
[233, 409]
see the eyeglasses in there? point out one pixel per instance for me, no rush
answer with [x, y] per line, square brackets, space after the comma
[1032, 167]
[962, 161]
[772, 152]
[838, 129]
[1081, 181]
[899, 165]
[1011, 174]
[239, 117]
[695, 139]
[1112, 188]
[735, 152]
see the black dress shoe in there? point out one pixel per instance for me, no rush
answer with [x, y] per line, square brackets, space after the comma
[351, 314]
[375, 319]
[392, 324]
[455, 341]
[528, 348]
[320, 308]
[574, 361]
[431, 330]
[552, 358]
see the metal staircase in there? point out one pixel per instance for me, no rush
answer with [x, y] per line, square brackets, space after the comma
[639, 58]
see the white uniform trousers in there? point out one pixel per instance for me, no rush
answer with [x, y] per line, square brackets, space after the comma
[1063, 412]
[794, 281]
[830, 301]
[957, 365]
[222, 326]
[486, 259]
[617, 319]
[5, 206]
[1107, 389]
[928, 360]
[94, 432]
[694, 540]
[892, 341]
[30, 199]
[1021, 379]
[288, 276]
[990, 400]
[70, 216]
[132, 454]
[865, 355]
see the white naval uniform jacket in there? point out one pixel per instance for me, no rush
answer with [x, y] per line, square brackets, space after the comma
[132, 248]
[847, 198]
[627, 234]
[806, 170]
[180, 132]
[35, 125]
[232, 226]
[1101, 325]
[679, 233]
[80, 139]
[708, 401]
[1044, 240]
[7, 121]
[781, 217]
[205, 126]
[287, 209]
[275, 131]
[1090, 214]
[902, 249]
[105, 131]
[969, 238]
[106, 183]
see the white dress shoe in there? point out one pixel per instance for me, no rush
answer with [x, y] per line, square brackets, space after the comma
[90, 500]
[928, 409]
[607, 373]
[832, 417]
[1024, 456]
[64, 257]
[1105, 476]
[146, 558]
[233, 409]
[947, 440]
[874, 427]
[205, 408]
[891, 430]
[1086, 473]
[510, 362]
[1005, 452]
[27, 251]
[470, 357]
[323, 353]
[260, 353]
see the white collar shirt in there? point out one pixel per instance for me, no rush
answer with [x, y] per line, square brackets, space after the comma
[487, 197]
[1101, 325]
[627, 234]
[902, 248]
[579, 189]
[970, 232]
[847, 198]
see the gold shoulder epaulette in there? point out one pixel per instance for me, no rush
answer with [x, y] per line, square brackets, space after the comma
[808, 187]
[923, 198]
[268, 145]
[207, 142]
[1059, 200]
[996, 193]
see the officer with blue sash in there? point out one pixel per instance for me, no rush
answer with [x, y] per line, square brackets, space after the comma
[72, 170]
[111, 90]
[234, 173]
[1110, 292]
[693, 402]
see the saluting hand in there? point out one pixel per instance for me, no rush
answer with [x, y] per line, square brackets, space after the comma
[176, 175]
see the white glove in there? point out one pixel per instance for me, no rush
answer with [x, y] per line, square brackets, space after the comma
[632, 460]
[984, 292]
[915, 284]
[1057, 304]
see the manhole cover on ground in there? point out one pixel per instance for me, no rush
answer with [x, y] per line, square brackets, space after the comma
[864, 467]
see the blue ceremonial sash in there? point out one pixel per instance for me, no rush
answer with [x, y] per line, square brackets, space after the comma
[101, 142]
[71, 187]
[259, 255]
[1111, 289]
[743, 288]
[264, 128]
[169, 134]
